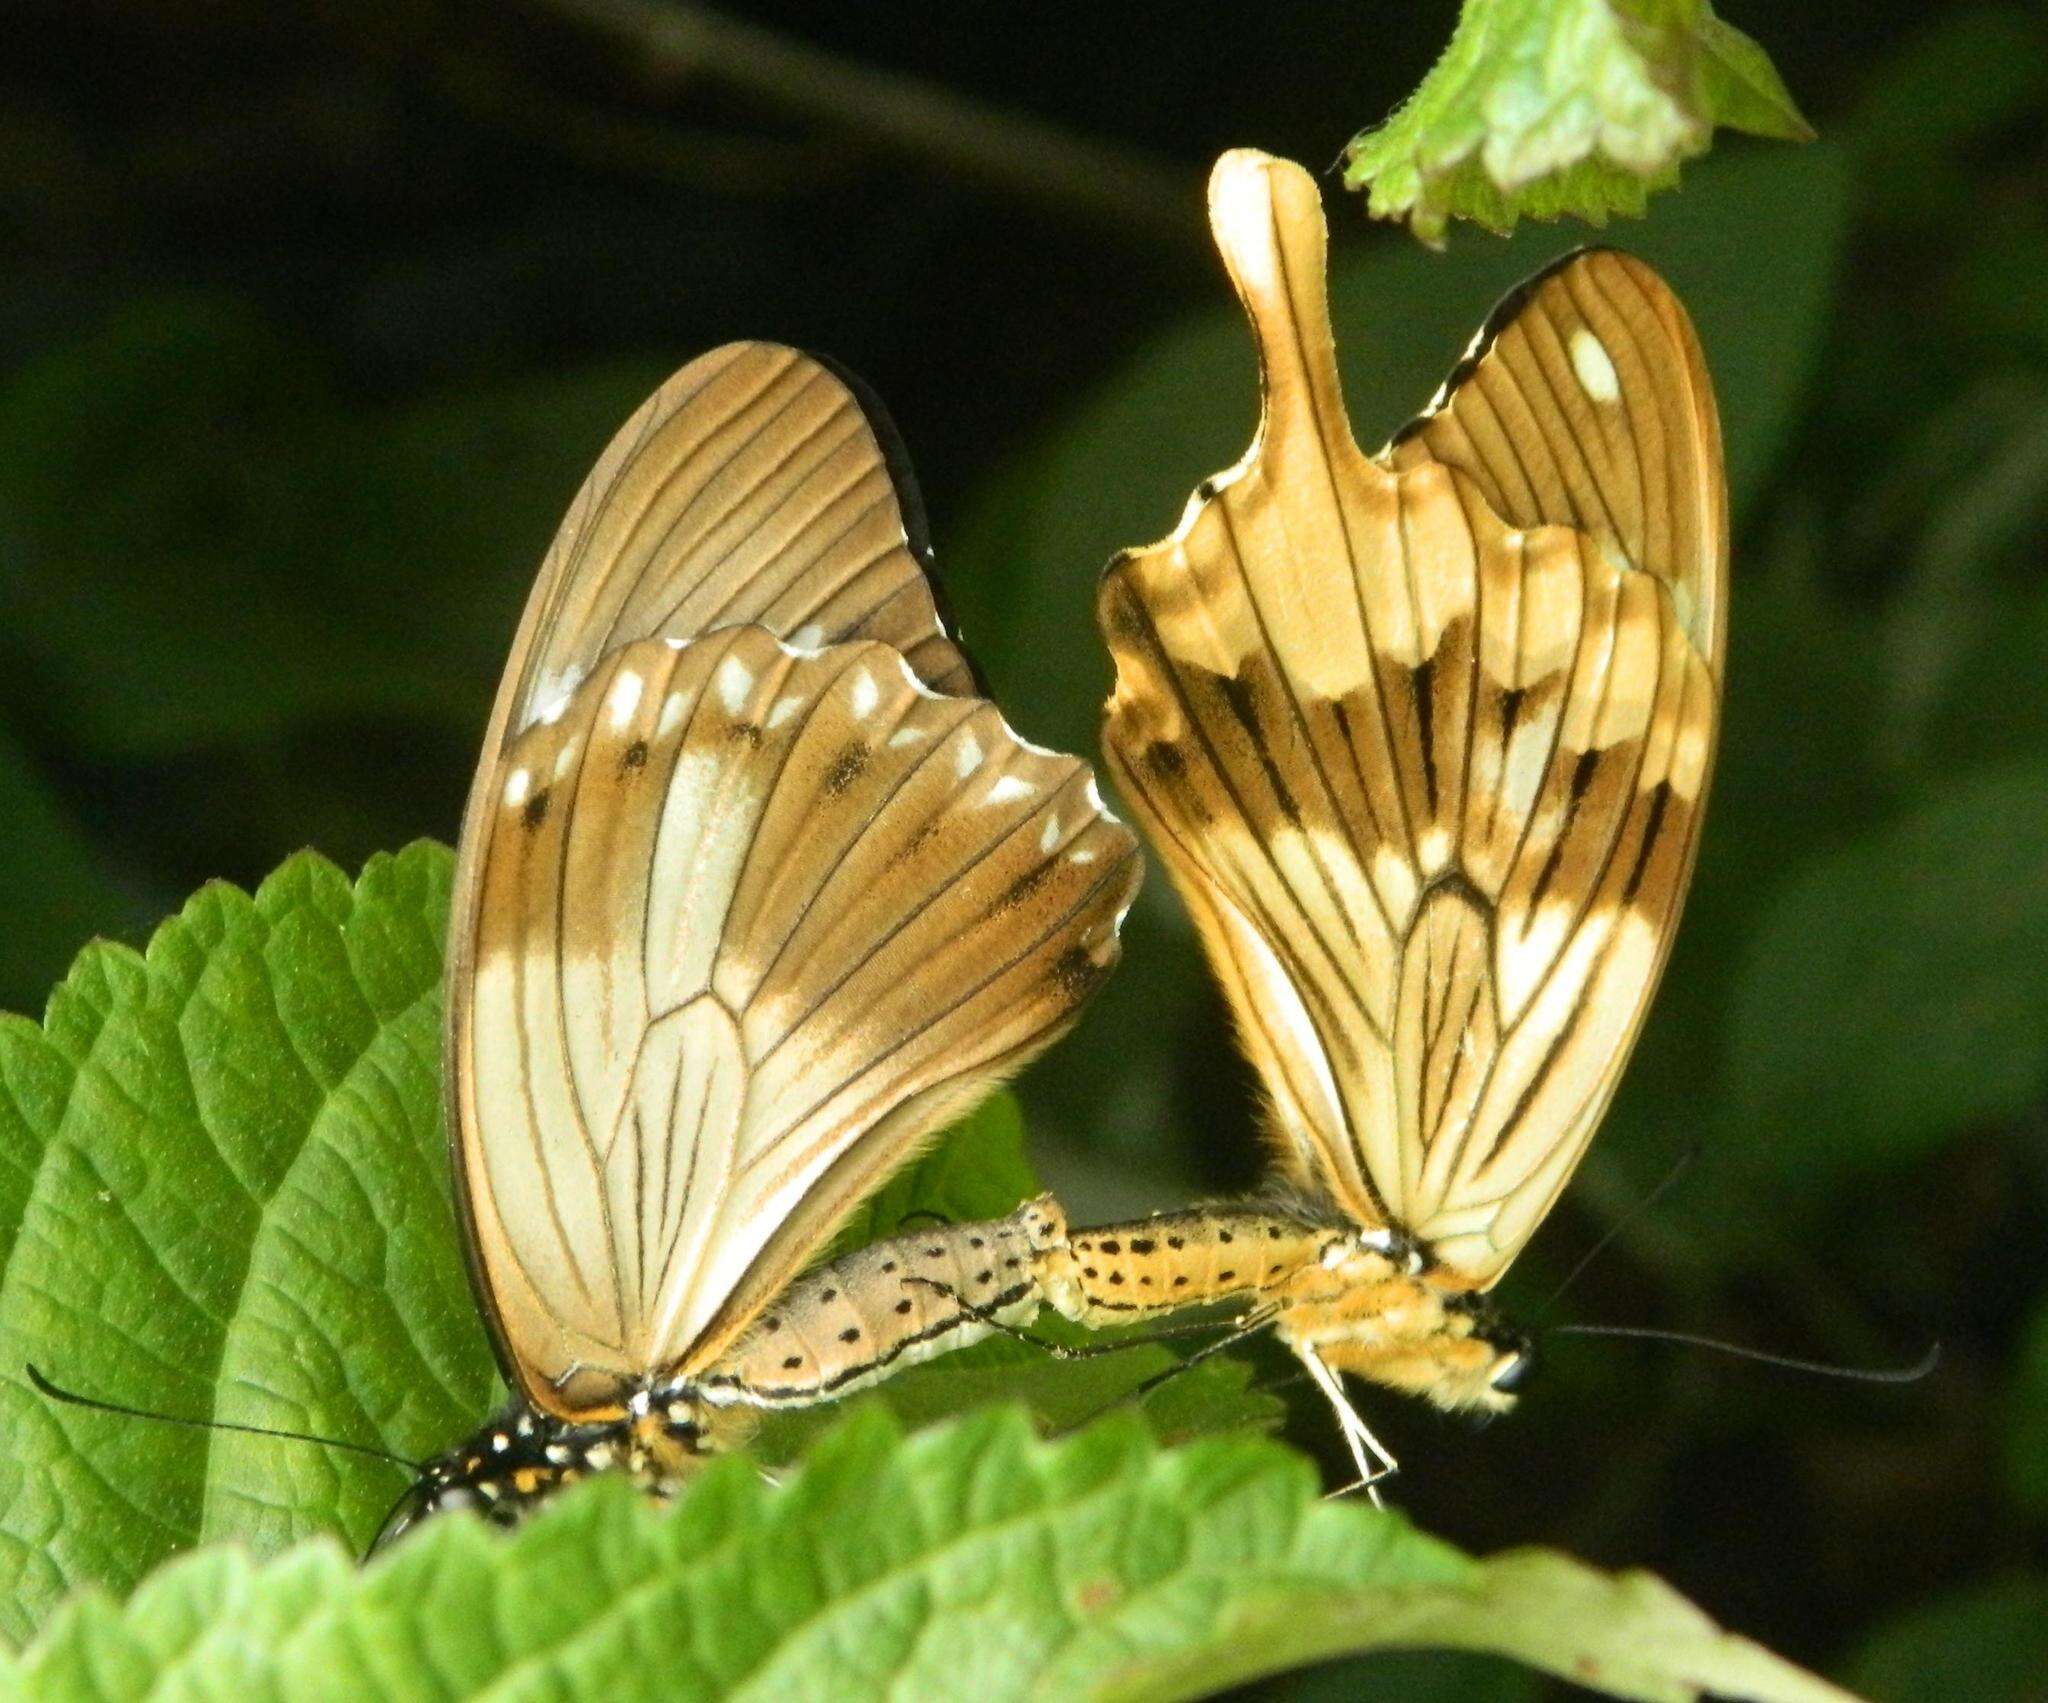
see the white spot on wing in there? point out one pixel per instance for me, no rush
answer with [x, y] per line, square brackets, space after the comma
[1009, 789]
[1049, 835]
[735, 681]
[968, 757]
[671, 715]
[1595, 369]
[908, 735]
[783, 710]
[565, 760]
[807, 637]
[517, 784]
[866, 695]
[551, 694]
[1241, 213]
[625, 696]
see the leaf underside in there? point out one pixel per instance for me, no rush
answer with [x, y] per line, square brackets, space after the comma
[1541, 109]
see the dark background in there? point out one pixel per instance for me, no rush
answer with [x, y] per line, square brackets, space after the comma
[310, 328]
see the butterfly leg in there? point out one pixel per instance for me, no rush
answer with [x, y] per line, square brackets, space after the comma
[1368, 1454]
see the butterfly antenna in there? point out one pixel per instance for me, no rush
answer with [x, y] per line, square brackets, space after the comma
[1820, 1368]
[397, 1520]
[1633, 1216]
[57, 1392]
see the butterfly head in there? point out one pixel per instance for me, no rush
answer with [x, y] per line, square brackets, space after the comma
[1483, 1359]
[523, 1456]
[1422, 1338]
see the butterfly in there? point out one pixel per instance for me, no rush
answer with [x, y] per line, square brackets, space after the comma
[1424, 739]
[755, 893]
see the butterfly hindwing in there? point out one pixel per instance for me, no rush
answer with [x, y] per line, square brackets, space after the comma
[1427, 751]
[752, 923]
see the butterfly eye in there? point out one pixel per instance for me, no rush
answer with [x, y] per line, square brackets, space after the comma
[1514, 1371]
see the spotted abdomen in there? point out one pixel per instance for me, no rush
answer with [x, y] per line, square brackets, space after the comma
[1122, 1273]
[854, 1321]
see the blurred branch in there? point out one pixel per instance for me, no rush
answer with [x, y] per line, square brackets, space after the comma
[496, 91]
[678, 44]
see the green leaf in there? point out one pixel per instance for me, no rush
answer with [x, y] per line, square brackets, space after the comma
[1177, 1403]
[1987, 1642]
[1545, 108]
[224, 1195]
[968, 1561]
[1897, 990]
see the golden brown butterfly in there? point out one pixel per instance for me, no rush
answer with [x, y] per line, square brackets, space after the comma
[754, 894]
[1424, 738]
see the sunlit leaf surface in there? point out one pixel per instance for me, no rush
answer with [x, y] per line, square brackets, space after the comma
[971, 1561]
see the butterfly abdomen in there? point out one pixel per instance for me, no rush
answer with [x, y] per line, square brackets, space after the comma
[1125, 1272]
[859, 1318]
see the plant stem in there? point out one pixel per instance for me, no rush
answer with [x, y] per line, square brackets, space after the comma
[677, 44]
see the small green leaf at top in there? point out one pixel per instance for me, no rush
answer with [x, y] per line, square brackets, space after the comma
[969, 1560]
[1544, 109]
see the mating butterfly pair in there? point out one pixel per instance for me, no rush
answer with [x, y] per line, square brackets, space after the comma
[756, 891]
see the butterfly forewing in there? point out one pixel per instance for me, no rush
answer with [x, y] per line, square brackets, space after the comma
[1425, 738]
[1585, 402]
[754, 486]
[751, 923]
